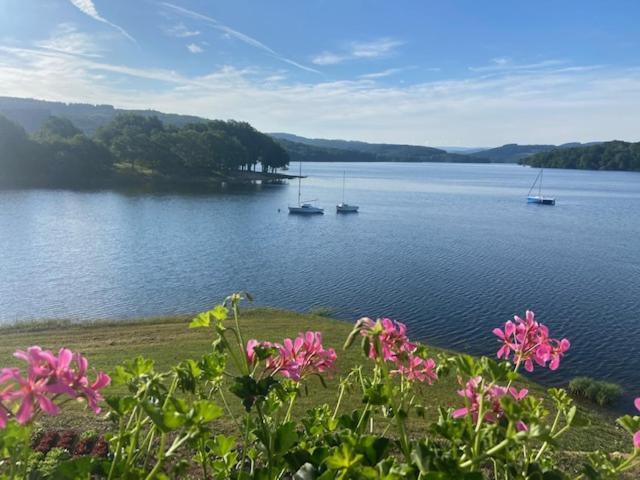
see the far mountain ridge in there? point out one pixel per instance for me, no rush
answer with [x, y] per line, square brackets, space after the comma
[324, 150]
[514, 153]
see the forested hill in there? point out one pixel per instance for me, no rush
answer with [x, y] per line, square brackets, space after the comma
[513, 153]
[134, 149]
[616, 155]
[31, 114]
[322, 150]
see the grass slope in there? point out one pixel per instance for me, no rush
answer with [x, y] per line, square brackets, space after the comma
[169, 341]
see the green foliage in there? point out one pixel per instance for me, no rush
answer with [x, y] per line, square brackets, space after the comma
[597, 391]
[166, 422]
[193, 150]
[58, 155]
[319, 150]
[614, 155]
[61, 155]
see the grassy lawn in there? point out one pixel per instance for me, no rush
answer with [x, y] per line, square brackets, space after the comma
[169, 341]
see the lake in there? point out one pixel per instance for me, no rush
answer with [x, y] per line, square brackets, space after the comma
[452, 250]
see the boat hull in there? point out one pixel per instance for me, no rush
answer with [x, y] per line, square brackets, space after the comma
[344, 208]
[306, 211]
[541, 200]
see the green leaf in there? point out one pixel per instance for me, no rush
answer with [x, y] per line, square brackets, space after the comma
[222, 445]
[220, 313]
[121, 405]
[202, 320]
[206, 411]
[343, 457]
[286, 437]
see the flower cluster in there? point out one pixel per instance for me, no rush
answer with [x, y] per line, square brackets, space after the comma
[48, 377]
[474, 392]
[528, 341]
[636, 436]
[388, 341]
[297, 358]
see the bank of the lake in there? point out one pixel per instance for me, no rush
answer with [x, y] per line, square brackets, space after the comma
[169, 340]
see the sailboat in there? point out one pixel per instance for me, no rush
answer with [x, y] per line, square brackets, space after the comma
[343, 207]
[539, 199]
[304, 208]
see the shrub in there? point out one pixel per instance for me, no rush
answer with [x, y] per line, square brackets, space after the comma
[597, 391]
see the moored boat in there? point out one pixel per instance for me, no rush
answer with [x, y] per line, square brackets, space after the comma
[343, 207]
[346, 208]
[539, 199]
[304, 208]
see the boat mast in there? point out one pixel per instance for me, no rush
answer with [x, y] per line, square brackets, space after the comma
[344, 175]
[299, 182]
[536, 181]
[540, 186]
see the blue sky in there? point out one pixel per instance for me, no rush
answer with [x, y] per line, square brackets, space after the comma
[455, 72]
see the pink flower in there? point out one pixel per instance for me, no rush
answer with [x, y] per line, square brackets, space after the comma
[305, 355]
[388, 341]
[31, 392]
[490, 396]
[529, 342]
[417, 369]
[392, 337]
[250, 350]
[48, 377]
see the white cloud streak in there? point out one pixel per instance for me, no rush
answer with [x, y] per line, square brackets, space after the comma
[548, 105]
[180, 30]
[88, 8]
[238, 35]
[384, 73]
[382, 47]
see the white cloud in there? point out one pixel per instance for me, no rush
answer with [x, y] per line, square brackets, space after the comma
[504, 64]
[231, 33]
[570, 103]
[180, 30]
[88, 8]
[384, 73]
[193, 48]
[67, 39]
[382, 47]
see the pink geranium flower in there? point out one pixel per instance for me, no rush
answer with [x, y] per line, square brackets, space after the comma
[528, 342]
[298, 358]
[250, 349]
[388, 341]
[31, 392]
[473, 392]
[48, 377]
[392, 336]
[417, 369]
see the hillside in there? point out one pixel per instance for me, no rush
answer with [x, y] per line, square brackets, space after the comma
[513, 153]
[323, 150]
[616, 155]
[31, 114]
[131, 150]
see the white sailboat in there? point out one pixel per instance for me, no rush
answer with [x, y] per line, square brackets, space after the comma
[539, 199]
[305, 208]
[343, 207]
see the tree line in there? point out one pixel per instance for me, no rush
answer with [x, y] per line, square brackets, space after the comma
[132, 146]
[616, 155]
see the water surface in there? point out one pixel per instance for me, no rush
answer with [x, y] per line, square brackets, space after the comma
[452, 250]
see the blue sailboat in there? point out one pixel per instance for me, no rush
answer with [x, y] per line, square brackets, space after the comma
[539, 199]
